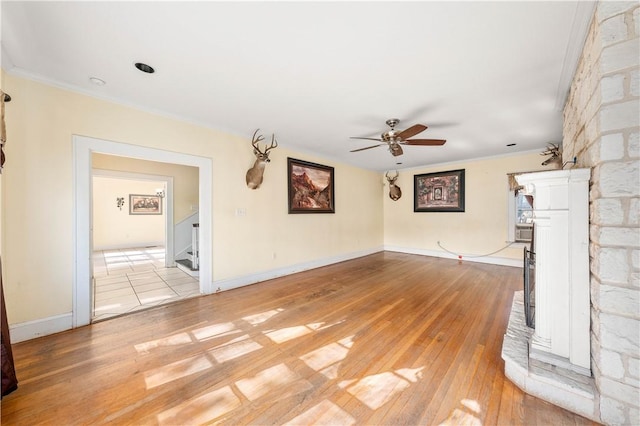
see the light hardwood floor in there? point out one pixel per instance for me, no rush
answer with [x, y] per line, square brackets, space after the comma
[385, 339]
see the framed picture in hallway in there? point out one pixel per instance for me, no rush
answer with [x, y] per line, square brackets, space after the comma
[439, 192]
[310, 187]
[144, 204]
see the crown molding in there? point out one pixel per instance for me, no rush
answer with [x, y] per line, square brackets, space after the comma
[579, 28]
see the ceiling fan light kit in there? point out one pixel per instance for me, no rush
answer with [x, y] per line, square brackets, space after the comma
[393, 138]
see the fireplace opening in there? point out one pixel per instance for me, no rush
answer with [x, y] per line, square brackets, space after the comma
[529, 287]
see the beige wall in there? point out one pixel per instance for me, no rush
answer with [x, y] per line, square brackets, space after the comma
[185, 179]
[114, 227]
[37, 188]
[481, 229]
[42, 119]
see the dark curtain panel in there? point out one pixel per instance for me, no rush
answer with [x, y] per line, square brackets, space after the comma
[9, 380]
[3, 129]
[529, 199]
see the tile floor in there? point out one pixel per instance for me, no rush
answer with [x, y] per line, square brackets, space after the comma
[128, 280]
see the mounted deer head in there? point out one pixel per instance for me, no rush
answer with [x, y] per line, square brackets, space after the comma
[394, 190]
[555, 154]
[255, 173]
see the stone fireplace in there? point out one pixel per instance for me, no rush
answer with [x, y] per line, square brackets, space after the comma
[601, 129]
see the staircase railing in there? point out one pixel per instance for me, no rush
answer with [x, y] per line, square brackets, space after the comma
[195, 246]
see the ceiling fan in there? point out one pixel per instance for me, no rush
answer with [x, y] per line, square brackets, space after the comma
[394, 138]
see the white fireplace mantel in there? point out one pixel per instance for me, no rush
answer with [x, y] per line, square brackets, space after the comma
[561, 246]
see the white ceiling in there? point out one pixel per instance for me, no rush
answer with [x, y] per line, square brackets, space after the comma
[480, 74]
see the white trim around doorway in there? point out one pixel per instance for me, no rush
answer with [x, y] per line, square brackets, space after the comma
[83, 147]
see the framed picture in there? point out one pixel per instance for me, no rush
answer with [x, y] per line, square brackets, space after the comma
[439, 192]
[311, 187]
[145, 204]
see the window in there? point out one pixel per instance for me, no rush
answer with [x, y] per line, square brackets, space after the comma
[520, 217]
[524, 209]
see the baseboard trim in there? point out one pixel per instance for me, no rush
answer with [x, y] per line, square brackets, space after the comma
[231, 283]
[493, 260]
[129, 245]
[41, 327]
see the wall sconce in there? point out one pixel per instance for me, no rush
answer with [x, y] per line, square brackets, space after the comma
[160, 192]
[120, 202]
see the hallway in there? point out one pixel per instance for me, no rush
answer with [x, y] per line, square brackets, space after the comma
[128, 280]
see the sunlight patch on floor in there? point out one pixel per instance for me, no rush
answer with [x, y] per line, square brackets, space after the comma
[467, 415]
[214, 330]
[175, 340]
[326, 359]
[262, 317]
[201, 409]
[279, 381]
[176, 370]
[227, 351]
[324, 413]
[132, 252]
[411, 374]
[376, 390]
[235, 348]
[288, 333]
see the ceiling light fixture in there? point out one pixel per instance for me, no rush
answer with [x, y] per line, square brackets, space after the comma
[97, 81]
[145, 68]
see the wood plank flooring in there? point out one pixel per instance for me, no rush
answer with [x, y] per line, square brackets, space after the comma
[389, 338]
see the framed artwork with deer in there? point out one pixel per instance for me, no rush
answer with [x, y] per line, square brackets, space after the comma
[311, 187]
[439, 192]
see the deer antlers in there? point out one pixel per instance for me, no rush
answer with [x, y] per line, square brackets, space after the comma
[256, 148]
[555, 153]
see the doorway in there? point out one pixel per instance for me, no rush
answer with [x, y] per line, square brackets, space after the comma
[83, 149]
[132, 260]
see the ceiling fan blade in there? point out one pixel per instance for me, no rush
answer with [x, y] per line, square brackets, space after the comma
[424, 142]
[369, 147]
[368, 139]
[412, 131]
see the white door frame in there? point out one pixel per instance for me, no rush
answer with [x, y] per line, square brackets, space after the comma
[168, 200]
[83, 147]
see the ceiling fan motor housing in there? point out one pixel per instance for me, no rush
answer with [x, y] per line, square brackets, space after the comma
[389, 136]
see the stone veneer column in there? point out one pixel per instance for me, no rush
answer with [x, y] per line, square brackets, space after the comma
[601, 129]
